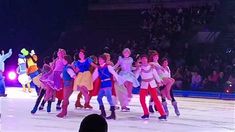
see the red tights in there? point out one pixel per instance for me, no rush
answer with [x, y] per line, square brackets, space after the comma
[153, 93]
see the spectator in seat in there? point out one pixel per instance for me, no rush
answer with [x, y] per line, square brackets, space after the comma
[196, 81]
[213, 80]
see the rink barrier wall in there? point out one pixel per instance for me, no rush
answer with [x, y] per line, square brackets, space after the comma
[199, 94]
[193, 94]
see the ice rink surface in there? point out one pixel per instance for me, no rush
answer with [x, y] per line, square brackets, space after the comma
[197, 115]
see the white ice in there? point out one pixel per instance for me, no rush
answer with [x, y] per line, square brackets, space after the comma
[197, 115]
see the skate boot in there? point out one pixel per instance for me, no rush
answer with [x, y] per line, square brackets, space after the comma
[3, 95]
[87, 106]
[42, 105]
[163, 117]
[117, 107]
[145, 117]
[58, 108]
[164, 104]
[125, 109]
[49, 106]
[63, 113]
[151, 109]
[78, 105]
[34, 110]
[176, 108]
[113, 115]
[103, 113]
[78, 102]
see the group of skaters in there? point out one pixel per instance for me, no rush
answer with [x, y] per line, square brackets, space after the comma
[99, 76]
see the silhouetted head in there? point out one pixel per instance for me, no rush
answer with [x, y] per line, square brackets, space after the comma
[93, 123]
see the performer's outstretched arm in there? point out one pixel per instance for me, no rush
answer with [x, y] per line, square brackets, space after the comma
[95, 74]
[112, 71]
[7, 55]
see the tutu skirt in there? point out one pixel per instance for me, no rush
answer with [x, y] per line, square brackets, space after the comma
[47, 80]
[129, 76]
[58, 81]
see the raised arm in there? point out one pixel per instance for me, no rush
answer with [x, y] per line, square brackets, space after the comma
[91, 62]
[112, 71]
[118, 63]
[7, 55]
[94, 65]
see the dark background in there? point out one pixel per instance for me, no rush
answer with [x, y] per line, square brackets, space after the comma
[37, 24]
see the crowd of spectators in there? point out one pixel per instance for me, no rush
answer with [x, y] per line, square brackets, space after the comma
[164, 25]
[192, 67]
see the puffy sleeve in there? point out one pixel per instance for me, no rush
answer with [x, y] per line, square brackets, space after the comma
[76, 64]
[131, 60]
[119, 58]
[89, 60]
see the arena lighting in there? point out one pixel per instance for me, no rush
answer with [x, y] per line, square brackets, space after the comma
[11, 75]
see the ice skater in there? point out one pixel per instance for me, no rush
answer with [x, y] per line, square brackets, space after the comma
[68, 76]
[105, 73]
[125, 63]
[33, 70]
[149, 83]
[83, 81]
[58, 83]
[3, 57]
[46, 90]
[23, 77]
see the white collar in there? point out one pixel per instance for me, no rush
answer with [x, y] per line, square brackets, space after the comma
[103, 65]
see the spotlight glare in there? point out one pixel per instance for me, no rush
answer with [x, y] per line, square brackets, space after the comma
[12, 75]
